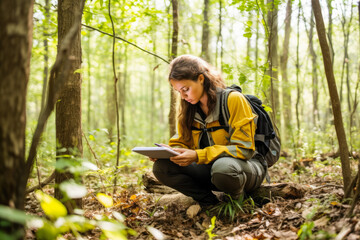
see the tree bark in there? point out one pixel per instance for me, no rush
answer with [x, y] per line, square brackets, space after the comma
[315, 92]
[272, 20]
[335, 102]
[219, 41]
[285, 81]
[172, 113]
[110, 108]
[205, 32]
[46, 54]
[68, 108]
[89, 80]
[15, 51]
[298, 72]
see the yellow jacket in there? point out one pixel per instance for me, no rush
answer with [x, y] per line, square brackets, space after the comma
[238, 142]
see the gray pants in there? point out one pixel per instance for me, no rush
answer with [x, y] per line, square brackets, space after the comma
[226, 174]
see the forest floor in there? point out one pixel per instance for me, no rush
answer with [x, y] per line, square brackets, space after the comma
[319, 214]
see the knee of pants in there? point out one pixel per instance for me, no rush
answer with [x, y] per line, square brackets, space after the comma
[161, 169]
[228, 176]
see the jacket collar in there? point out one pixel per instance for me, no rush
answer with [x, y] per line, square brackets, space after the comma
[214, 115]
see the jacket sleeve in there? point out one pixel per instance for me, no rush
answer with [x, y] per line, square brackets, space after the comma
[177, 140]
[242, 131]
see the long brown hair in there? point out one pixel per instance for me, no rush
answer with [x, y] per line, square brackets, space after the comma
[188, 67]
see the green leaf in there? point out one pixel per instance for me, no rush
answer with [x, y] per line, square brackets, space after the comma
[52, 207]
[105, 200]
[247, 35]
[267, 108]
[242, 79]
[47, 232]
[80, 70]
[13, 215]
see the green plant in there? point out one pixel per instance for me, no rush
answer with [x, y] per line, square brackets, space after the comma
[305, 231]
[58, 222]
[211, 228]
[232, 207]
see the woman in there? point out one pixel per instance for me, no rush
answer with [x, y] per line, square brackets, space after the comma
[209, 160]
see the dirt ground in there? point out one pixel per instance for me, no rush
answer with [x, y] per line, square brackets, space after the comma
[321, 213]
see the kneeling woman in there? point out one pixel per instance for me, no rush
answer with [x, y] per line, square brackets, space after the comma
[216, 160]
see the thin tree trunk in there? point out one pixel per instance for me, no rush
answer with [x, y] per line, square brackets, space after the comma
[248, 42]
[123, 96]
[152, 92]
[285, 81]
[205, 32]
[68, 108]
[298, 71]
[46, 54]
[219, 40]
[110, 109]
[257, 52]
[89, 81]
[15, 51]
[172, 113]
[329, 112]
[315, 92]
[335, 102]
[272, 20]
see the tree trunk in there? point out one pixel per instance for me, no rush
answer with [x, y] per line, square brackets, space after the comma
[172, 113]
[152, 92]
[286, 133]
[89, 80]
[205, 32]
[110, 108]
[46, 54]
[272, 20]
[219, 40]
[335, 102]
[15, 51]
[329, 112]
[68, 108]
[257, 52]
[315, 92]
[123, 95]
[298, 72]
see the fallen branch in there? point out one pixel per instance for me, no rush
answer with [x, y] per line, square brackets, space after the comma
[42, 184]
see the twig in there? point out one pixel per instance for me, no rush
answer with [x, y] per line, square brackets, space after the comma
[58, 74]
[122, 39]
[97, 162]
[43, 184]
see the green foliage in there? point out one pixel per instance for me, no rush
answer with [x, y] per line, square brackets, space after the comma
[230, 208]
[305, 231]
[52, 207]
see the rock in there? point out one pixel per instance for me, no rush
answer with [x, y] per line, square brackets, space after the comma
[180, 200]
[153, 185]
[193, 210]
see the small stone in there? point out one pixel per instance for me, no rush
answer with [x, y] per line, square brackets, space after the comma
[193, 210]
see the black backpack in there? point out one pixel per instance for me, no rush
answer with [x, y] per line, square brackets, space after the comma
[267, 143]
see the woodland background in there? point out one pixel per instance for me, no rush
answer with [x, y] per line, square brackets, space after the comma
[118, 96]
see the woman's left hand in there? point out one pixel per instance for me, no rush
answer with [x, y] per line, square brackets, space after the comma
[186, 157]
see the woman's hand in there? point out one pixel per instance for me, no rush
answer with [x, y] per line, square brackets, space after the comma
[186, 157]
